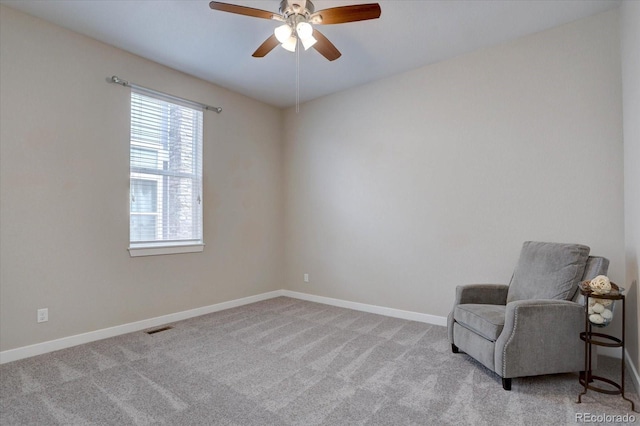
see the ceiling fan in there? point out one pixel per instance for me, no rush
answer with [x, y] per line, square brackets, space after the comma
[298, 16]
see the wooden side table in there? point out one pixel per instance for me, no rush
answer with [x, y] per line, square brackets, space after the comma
[591, 338]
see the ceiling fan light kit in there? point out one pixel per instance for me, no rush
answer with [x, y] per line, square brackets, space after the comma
[298, 17]
[296, 14]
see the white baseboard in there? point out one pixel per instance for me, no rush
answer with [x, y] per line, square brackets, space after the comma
[92, 336]
[381, 310]
[635, 377]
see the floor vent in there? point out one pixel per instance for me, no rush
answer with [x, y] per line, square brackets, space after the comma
[158, 330]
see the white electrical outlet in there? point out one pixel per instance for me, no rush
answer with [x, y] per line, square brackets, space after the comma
[43, 315]
[306, 278]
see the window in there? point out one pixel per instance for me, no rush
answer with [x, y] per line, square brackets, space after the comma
[165, 205]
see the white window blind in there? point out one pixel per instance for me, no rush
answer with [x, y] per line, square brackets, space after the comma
[165, 174]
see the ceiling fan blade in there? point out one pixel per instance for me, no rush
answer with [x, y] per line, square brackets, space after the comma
[242, 10]
[266, 47]
[342, 14]
[325, 47]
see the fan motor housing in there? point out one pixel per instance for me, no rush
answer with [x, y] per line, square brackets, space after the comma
[292, 7]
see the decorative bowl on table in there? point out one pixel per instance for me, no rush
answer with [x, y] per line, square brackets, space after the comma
[602, 295]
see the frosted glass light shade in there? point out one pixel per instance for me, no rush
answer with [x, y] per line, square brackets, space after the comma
[304, 30]
[290, 44]
[308, 42]
[283, 32]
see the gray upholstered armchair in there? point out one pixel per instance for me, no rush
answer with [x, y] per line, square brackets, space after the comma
[532, 326]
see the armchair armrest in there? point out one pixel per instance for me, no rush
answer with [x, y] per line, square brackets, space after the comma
[490, 294]
[540, 336]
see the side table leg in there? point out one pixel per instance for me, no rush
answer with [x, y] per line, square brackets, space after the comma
[587, 350]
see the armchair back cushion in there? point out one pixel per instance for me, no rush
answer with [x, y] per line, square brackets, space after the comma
[547, 271]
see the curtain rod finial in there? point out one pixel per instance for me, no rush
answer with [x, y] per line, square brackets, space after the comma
[117, 80]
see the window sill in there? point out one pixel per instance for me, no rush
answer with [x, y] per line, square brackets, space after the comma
[160, 249]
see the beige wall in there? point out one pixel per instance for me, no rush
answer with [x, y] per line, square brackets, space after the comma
[64, 190]
[399, 190]
[396, 191]
[630, 26]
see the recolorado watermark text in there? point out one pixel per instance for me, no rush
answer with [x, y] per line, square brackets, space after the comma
[605, 418]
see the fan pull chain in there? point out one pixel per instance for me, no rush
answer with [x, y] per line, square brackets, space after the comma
[297, 75]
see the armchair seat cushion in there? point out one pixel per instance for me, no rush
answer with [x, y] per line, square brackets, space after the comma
[485, 320]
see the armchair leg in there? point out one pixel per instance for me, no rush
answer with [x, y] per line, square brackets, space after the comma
[506, 384]
[454, 348]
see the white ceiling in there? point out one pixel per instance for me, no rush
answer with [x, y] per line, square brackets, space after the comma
[217, 46]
